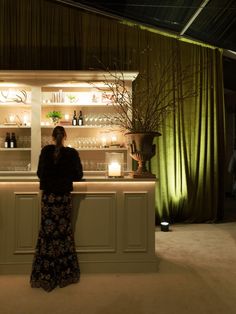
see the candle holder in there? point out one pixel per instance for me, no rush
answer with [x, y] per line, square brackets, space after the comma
[115, 165]
[114, 170]
[164, 226]
[11, 118]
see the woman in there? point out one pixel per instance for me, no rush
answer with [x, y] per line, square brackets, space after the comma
[55, 261]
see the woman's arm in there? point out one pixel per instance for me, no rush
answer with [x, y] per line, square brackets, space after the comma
[78, 169]
[41, 164]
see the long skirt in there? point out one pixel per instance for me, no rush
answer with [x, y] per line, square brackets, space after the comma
[55, 261]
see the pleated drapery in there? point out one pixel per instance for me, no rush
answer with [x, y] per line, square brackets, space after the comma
[45, 35]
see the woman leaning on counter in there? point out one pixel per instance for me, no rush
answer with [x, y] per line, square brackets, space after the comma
[55, 261]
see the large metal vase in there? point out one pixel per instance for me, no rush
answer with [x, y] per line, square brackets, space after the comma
[142, 149]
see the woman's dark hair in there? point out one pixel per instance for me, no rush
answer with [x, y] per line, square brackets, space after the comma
[58, 135]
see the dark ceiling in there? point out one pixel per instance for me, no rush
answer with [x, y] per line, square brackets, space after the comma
[209, 21]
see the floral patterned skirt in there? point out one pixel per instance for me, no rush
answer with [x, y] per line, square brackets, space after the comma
[55, 261]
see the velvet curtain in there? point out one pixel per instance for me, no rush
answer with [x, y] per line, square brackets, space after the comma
[190, 161]
[41, 34]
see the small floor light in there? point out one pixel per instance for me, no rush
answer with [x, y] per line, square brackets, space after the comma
[164, 226]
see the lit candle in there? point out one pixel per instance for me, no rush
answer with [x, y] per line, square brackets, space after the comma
[104, 141]
[25, 119]
[67, 117]
[11, 118]
[114, 169]
[113, 139]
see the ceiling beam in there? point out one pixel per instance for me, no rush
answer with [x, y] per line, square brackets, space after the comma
[194, 16]
[85, 7]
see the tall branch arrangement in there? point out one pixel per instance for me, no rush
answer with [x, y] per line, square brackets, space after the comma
[152, 98]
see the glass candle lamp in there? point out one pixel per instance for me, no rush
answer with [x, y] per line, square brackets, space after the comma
[114, 169]
[11, 118]
[113, 140]
[115, 164]
[26, 120]
[67, 116]
[104, 141]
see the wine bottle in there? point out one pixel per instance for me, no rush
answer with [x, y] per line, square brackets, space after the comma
[13, 141]
[74, 119]
[80, 119]
[7, 140]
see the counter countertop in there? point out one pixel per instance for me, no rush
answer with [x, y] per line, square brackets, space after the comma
[29, 176]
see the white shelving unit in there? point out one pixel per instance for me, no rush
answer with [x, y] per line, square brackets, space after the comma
[63, 91]
[15, 111]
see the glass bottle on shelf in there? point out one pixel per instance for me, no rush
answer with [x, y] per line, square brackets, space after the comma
[80, 119]
[13, 141]
[7, 140]
[74, 119]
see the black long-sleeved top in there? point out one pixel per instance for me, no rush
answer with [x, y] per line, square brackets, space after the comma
[58, 177]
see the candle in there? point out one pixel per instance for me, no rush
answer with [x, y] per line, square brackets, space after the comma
[113, 139]
[11, 118]
[104, 141]
[67, 117]
[25, 119]
[114, 169]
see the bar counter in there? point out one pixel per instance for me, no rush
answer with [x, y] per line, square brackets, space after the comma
[113, 220]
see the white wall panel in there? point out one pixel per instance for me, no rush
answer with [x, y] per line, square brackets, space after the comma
[26, 222]
[135, 222]
[95, 228]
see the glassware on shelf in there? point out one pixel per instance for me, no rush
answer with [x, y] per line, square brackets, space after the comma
[101, 166]
[24, 141]
[46, 140]
[2, 141]
[22, 166]
[86, 118]
[19, 165]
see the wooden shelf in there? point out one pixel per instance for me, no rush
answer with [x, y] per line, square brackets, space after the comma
[101, 149]
[15, 105]
[14, 127]
[77, 126]
[65, 104]
[15, 149]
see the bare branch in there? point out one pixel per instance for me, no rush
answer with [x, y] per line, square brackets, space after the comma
[153, 96]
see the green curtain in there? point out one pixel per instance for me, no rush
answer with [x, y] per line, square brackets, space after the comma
[190, 152]
[41, 34]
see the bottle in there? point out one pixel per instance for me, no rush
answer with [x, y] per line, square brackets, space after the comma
[7, 140]
[13, 141]
[80, 119]
[74, 119]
